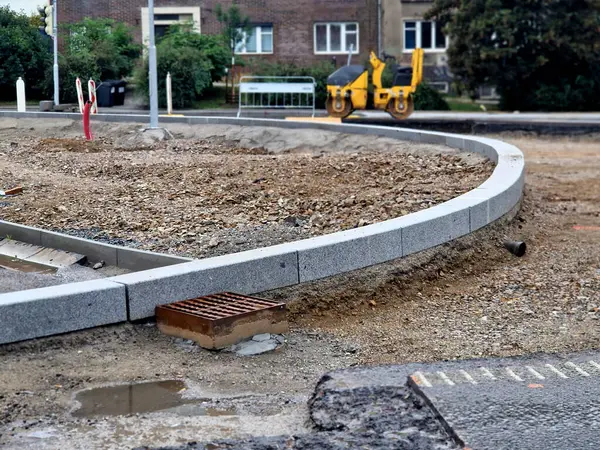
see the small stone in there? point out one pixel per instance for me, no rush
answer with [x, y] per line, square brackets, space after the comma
[99, 265]
[213, 242]
[261, 337]
[250, 348]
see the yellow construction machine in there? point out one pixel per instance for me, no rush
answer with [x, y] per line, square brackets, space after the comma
[348, 87]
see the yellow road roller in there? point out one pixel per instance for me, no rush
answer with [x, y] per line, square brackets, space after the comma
[348, 87]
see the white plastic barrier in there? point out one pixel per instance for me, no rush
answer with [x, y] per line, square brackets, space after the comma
[277, 92]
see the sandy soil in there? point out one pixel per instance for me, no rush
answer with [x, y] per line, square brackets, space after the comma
[219, 189]
[468, 299]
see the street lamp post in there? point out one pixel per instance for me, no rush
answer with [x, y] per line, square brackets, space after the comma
[152, 76]
[55, 38]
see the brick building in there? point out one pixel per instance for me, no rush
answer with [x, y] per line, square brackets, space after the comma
[403, 29]
[300, 30]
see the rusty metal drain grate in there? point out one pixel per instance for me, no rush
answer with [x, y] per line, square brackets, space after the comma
[220, 320]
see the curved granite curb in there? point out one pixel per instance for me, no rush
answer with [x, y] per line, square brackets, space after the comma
[281, 265]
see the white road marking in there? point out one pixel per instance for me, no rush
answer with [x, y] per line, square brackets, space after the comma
[421, 380]
[487, 373]
[577, 368]
[535, 373]
[512, 374]
[556, 371]
[444, 377]
[469, 378]
[594, 364]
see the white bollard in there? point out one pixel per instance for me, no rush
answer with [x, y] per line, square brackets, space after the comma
[21, 95]
[79, 94]
[169, 95]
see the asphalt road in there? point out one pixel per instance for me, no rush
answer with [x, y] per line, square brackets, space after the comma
[537, 402]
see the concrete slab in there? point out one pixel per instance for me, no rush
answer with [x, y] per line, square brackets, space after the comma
[94, 251]
[60, 309]
[56, 258]
[18, 249]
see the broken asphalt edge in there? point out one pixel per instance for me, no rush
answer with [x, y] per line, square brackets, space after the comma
[163, 279]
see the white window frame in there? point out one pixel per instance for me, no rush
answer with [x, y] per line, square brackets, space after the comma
[343, 25]
[194, 11]
[445, 86]
[259, 51]
[417, 29]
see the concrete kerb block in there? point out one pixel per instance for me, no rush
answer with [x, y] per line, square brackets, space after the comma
[60, 309]
[434, 226]
[348, 250]
[430, 137]
[246, 272]
[134, 259]
[20, 233]
[457, 142]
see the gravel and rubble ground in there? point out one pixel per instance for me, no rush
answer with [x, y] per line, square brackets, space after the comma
[218, 189]
[467, 299]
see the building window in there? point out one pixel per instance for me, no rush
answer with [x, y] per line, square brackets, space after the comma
[424, 34]
[164, 17]
[336, 37]
[442, 87]
[260, 40]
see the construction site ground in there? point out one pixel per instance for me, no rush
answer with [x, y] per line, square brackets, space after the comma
[469, 299]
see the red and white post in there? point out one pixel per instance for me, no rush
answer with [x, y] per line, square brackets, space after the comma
[92, 96]
[80, 95]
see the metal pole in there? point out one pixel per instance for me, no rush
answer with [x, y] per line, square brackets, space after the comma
[379, 19]
[152, 76]
[55, 32]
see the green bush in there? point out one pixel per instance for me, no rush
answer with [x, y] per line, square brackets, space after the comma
[186, 55]
[24, 53]
[428, 99]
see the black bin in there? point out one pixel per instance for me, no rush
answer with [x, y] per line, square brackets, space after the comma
[119, 94]
[104, 95]
[111, 93]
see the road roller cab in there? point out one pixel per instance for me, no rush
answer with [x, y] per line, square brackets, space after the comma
[347, 89]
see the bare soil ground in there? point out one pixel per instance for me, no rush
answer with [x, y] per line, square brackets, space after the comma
[473, 298]
[219, 189]
[468, 299]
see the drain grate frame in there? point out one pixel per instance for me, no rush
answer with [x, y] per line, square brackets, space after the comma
[219, 320]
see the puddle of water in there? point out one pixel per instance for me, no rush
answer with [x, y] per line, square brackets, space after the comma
[130, 399]
[25, 266]
[145, 398]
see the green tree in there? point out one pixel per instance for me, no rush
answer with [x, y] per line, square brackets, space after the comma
[98, 49]
[212, 47]
[110, 43]
[24, 53]
[194, 61]
[236, 26]
[540, 54]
